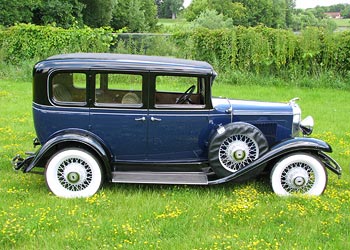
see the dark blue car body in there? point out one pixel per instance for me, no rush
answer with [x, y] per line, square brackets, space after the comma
[156, 131]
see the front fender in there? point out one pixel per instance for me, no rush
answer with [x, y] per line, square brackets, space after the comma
[301, 144]
[71, 137]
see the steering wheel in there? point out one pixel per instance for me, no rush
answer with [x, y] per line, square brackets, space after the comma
[186, 96]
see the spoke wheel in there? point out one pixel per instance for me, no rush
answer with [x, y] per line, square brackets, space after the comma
[237, 151]
[299, 174]
[73, 173]
[234, 147]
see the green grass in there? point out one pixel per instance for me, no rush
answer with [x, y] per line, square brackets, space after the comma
[170, 22]
[342, 22]
[229, 216]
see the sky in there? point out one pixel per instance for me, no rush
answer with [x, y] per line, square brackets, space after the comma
[303, 4]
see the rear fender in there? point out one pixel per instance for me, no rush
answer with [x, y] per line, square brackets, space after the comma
[279, 150]
[77, 138]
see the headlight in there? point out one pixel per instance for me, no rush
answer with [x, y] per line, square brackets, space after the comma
[307, 125]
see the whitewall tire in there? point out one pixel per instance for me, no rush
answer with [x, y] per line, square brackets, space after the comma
[73, 173]
[299, 174]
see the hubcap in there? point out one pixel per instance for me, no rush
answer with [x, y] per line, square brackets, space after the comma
[239, 155]
[237, 151]
[74, 174]
[73, 177]
[298, 178]
[299, 181]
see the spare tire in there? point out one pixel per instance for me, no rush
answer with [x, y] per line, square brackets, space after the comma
[235, 146]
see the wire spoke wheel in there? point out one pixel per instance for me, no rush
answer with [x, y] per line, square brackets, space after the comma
[299, 174]
[234, 147]
[298, 178]
[237, 151]
[73, 173]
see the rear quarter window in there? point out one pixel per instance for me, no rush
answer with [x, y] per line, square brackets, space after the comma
[69, 88]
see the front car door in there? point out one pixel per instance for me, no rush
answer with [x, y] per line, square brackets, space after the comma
[178, 118]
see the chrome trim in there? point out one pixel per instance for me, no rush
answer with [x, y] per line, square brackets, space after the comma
[296, 116]
[254, 112]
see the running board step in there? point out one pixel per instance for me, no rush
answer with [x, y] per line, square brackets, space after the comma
[190, 178]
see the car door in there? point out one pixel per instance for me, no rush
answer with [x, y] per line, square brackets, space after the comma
[178, 119]
[119, 114]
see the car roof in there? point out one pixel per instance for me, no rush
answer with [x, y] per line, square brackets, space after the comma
[110, 61]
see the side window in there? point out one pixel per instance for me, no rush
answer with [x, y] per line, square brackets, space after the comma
[69, 88]
[118, 89]
[179, 91]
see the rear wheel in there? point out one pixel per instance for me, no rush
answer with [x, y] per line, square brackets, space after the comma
[299, 174]
[73, 173]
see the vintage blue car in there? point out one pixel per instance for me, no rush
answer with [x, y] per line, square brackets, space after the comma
[145, 119]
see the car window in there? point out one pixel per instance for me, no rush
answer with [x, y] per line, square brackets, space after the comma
[118, 89]
[179, 91]
[69, 88]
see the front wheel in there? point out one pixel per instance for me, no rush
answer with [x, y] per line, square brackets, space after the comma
[299, 174]
[73, 173]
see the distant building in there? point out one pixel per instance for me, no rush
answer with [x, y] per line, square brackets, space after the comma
[335, 15]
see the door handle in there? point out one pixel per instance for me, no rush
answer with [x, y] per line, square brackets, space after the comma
[141, 119]
[153, 119]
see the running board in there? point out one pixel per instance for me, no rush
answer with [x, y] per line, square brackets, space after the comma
[190, 178]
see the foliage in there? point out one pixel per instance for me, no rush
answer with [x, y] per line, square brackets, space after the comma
[12, 12]
[267, 51]
[169, 8]
[98, 13]
[127, 216]
[258, 50]
[134, 15]
[271, 13]
[345, 12]
[27, 41]
[212, 20]
[63, 14]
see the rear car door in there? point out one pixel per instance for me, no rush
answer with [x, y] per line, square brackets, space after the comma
[119, 113]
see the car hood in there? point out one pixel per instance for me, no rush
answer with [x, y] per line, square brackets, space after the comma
[251, 107]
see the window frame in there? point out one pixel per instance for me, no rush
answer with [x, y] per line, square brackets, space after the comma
[144, 93]
[202, 85]
[50, 91]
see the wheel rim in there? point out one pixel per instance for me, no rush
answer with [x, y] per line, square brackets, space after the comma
[237, 151]
[298, 177]
[74, 174]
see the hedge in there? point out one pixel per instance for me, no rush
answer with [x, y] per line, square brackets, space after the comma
[257, 50]
[27, 41]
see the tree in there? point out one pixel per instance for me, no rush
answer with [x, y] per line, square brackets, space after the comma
[195, 9]
[19, 11]
[63, 14]
[346, 12]
[212, 20]
[290, 6]
[169, 8]
[98, 13]
[271, 13]
[135, 15]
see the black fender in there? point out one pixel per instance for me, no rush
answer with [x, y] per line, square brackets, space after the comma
[302, 144]
[78, 137]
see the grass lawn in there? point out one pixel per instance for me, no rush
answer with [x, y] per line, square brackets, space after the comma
[126, 216]
[170, 22]
[342, 22]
